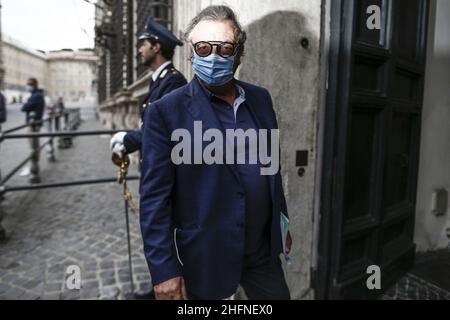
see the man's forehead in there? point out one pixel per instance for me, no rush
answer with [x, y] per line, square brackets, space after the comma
[143, 41]
[213, 31]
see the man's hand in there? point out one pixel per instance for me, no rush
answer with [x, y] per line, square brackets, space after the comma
[173, 289]
[288, 243]
[117, 145]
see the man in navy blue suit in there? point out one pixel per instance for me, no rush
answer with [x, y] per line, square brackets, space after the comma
[156, 52]
[210, 226]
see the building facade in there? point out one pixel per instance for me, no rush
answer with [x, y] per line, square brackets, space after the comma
[65, 73]
[363, 117]
[72, 75]
[20, 64]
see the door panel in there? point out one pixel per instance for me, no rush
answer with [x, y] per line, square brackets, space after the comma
[406, 84]
[364, 149]
[407, 28]
[398, 169]
[376, 96]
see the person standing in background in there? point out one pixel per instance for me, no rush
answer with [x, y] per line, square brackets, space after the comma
[34, 110]
[35, 105]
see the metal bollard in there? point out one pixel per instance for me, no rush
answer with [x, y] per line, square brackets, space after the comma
[65, 142]
[67, 127]
[2, 230]
[77, 118]
[70, 121]
[78, 114]
[35, 178]
[51, 149]
[74, 120]
[66, 120]
[57, 129]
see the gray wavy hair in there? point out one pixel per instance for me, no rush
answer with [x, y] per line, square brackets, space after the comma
[218, 13]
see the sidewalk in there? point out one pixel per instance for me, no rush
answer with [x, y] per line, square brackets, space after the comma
[429, 279]
[52, 229]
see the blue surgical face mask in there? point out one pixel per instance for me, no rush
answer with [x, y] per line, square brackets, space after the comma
[29, 88]
[213, 69]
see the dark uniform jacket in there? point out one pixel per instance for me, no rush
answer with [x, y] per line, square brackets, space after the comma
[169, 79]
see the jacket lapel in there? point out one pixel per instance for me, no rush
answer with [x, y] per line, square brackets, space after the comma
[155, 84]
[252, 104]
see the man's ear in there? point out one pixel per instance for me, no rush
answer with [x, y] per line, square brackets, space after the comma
[237, 61]
[157, 47]
[191, 56]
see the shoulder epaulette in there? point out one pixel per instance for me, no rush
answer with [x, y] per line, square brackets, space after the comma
[163, 74]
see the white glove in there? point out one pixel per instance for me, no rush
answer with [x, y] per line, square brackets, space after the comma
[117, 145]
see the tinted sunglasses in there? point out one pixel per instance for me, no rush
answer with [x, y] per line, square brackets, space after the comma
[223, 49]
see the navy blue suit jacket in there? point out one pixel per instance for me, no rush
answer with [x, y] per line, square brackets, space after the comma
[165, 83]
[191, 215]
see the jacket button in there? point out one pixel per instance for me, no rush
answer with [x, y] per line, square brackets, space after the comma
[241, 194]
[240, 224]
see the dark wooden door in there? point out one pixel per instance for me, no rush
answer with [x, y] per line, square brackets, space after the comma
[372, 147]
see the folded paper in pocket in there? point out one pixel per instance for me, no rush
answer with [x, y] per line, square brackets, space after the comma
[284, 225]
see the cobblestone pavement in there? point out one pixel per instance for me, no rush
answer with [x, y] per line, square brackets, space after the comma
[412, 287]
[427, 280]
[52, 229]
